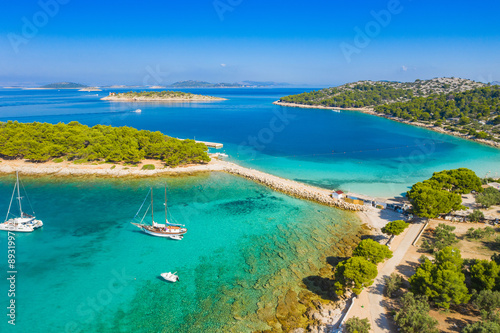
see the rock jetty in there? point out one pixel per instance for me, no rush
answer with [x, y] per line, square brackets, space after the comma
[289, 187]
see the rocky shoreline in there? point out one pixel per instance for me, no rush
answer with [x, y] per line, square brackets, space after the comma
[295, 189]
[292, 188]
[382, 115]
[118, 98]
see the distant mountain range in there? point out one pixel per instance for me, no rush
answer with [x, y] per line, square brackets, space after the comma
[180, 84]
[495, 83]
[64, 85]
[243, 84]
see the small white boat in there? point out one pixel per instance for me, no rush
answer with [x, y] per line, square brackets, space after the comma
[137, 111]
[170, 277]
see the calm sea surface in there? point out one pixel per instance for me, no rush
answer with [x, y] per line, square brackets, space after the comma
[90, 270]
[347, 150]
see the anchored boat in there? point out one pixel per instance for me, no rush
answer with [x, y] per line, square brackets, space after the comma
[170, 277]
[167, 229]
[24, 222]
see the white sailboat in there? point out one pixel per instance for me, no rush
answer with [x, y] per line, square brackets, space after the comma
[24, 222]
[167, 229]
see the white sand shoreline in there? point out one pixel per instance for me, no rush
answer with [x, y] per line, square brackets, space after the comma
[290, 187]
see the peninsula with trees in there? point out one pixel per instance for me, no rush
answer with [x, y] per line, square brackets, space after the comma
[42, 142]
[159, 96]
[459, 107]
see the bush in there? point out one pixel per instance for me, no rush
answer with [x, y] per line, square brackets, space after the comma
[392, 284]
[57, 160]
[356, 324]
[414, 315]
[482, 327]
[480, 233]
[476, 216]
[489, 197]
[80, 161]
[443, 237]
[148, 167]
[487, 302]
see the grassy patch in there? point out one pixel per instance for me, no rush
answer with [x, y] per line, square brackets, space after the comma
[57, 160]
[80, 161]
[148, 167]
[113, 166]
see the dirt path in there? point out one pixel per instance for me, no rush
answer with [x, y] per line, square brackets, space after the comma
[380, 319]
[370, 303]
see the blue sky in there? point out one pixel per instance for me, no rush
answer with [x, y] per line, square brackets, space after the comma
[301, 42]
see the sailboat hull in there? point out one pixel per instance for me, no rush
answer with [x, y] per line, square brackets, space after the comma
[15, 227]
[173, 233]
[23, 223]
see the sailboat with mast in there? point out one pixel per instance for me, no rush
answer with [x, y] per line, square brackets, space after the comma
[167, 229]
[24, 222]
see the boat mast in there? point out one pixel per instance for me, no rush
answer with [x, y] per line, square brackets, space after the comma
[19, 194]
[166, 221]
[10, 204]
[152, 215]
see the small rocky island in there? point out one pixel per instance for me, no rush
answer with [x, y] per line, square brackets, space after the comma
[159, 96]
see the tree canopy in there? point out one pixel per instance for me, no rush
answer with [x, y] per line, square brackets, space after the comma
[430, 202]
[485, 274]
[372, 251]
[467, 107]
[354, 273]
[395, 227]
[440, 194]
[42, 141]
[442, 281]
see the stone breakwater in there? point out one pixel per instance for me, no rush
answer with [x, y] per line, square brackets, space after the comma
[290, 187]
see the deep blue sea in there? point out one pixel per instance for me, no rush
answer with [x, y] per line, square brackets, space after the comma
[349, 150]
[90, 270]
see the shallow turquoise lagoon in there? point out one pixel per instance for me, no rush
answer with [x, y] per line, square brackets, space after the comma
[90, 270]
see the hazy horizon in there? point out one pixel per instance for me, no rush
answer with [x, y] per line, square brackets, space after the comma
[315, 44]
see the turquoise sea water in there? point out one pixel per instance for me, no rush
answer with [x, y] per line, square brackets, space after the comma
[347, 150]
[90, 270]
